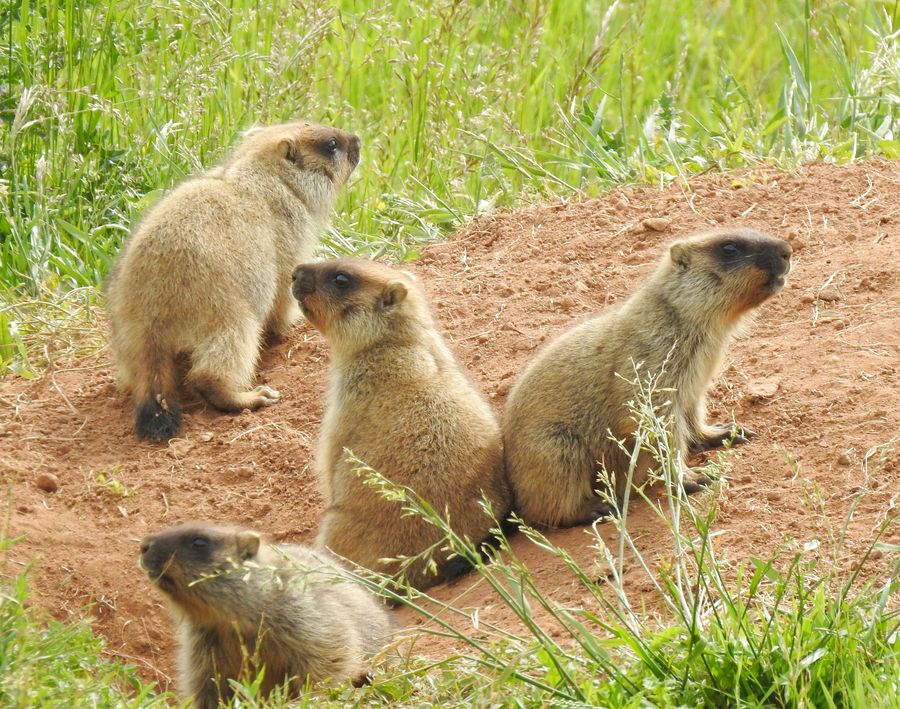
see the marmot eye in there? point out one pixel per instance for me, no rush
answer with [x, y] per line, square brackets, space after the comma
[331, 146]
[341, 280]
[729, 248]
[199, 542]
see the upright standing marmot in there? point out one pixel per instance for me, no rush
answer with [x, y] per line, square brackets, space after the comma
[557, 422]
[243, 605]
[399, 401]
[207, 271]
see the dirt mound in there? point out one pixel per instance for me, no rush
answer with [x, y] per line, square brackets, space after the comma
[817, 378]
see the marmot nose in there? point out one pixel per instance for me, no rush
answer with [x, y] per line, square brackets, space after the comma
[146, 543]
[774, 258]
[304, 280]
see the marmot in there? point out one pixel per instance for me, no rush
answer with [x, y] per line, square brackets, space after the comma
[400, 402]
[207, 271]
[573, 395]
[243, 604]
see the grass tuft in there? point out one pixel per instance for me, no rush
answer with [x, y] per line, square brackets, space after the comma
[44, 663]
[790, 631]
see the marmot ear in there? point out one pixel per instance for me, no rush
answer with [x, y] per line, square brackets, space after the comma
[680, 255]
[394, 293]
[288, 151]
[247, 544]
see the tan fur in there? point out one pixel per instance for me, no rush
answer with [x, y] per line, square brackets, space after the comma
[559, 414]
[207, 271]
[242, 604]
[400, 402]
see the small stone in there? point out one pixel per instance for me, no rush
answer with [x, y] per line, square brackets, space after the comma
[829, 294]
[47, 482]
[567, 302]
[763, 388]
[806, 298]
[656, 223]
[503, 387]
[178, 448]
[843, 459]
[206, 436]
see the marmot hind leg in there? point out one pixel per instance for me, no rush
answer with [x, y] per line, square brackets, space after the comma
[556, 486]
[223, 367]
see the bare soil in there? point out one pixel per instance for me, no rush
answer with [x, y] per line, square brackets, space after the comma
[816, 377]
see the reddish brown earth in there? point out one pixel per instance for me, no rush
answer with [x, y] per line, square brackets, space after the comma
[817, 378]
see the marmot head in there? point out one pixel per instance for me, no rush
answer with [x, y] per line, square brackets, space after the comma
[356, 303]
[311, 158]
[196, 565]
[725, 272]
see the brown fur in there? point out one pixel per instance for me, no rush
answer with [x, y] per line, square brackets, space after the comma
[243, 604]
[206, 273]
[400, 402]
[558, 419]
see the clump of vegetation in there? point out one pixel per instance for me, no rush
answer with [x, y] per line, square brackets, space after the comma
[462, 107]
[44, 663]
[792, 631]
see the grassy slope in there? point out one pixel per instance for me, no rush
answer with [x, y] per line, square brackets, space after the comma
[462, 106]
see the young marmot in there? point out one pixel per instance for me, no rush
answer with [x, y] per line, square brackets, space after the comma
[560, 414]
[207, 271]
[398, 400]
[243, 605]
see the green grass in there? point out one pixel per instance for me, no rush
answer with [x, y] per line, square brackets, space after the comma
[463, 107]
[44, 663]
[788, 631]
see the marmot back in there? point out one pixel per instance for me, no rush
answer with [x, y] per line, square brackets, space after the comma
[560, 414]
[243, 604]
[206, 273]
[399, 401]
